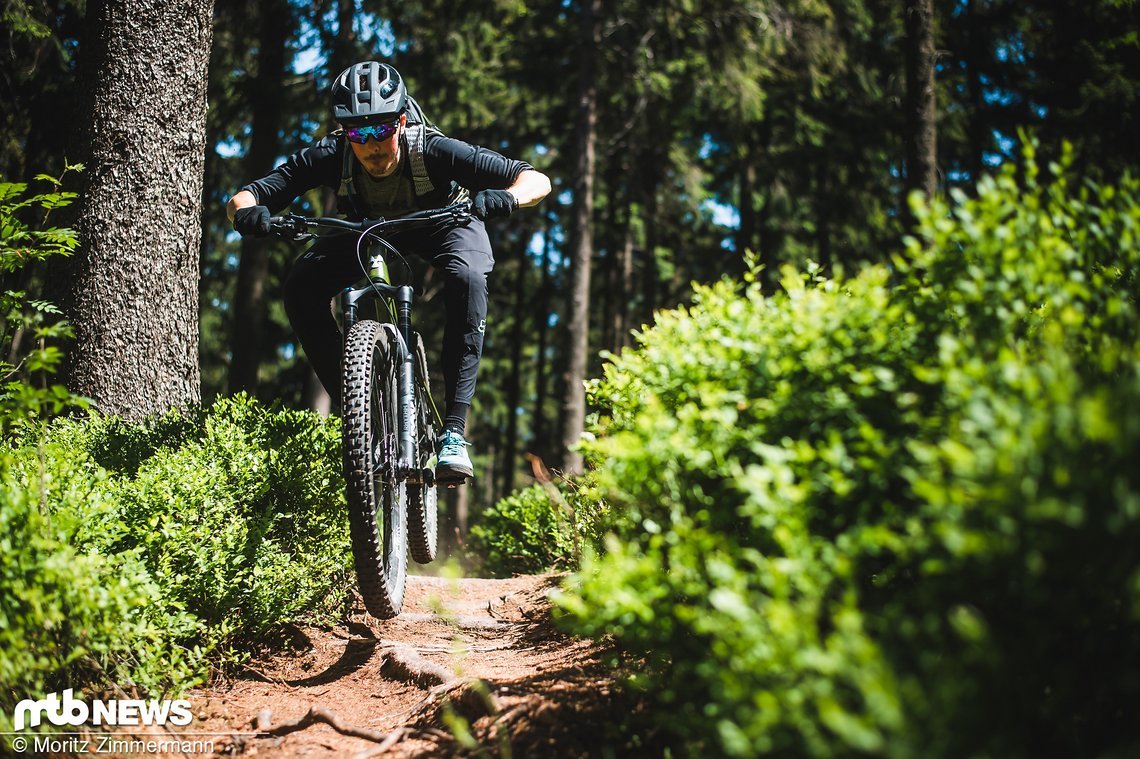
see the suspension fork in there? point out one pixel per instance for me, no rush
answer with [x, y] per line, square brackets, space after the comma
[402, 297]
[409, 467]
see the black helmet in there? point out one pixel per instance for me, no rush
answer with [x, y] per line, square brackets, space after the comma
[368, 91]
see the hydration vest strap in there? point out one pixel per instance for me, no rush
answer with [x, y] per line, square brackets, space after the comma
[415, 134]
[347, 191]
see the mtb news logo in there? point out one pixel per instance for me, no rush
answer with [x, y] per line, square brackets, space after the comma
[72, 711]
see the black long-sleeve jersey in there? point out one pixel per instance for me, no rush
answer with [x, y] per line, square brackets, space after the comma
[448, 161]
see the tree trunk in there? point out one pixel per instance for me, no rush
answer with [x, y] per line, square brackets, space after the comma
[541, 306]
[623, 286]
[135, 280]
[574, 402]
[492, 448]
[823, 214]
[608, 289]
[921, 137]
[514, 378]
[747, 179]
[247, 332]
[651, 163]
[770, 245]
[975, 59]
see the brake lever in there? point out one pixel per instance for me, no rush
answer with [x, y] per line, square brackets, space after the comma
[289, 228]
[460, 214]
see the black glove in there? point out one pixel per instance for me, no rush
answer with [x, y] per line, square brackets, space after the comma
[493, 204]
[252, 220]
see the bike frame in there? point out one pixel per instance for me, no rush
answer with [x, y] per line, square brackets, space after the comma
[396, 299]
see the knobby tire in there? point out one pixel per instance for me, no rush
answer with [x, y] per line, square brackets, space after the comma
[377, 499]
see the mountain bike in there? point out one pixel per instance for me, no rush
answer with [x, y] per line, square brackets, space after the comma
[389, 421]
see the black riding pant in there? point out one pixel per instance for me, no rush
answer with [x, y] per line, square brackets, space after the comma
[461, 255]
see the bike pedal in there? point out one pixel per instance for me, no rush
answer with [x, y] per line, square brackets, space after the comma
[452, 484]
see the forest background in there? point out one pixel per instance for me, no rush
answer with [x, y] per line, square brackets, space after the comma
[868, 487]
[679, 135]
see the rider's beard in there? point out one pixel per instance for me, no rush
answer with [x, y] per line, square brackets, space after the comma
[381, 163]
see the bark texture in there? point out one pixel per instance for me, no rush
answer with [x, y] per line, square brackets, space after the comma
[921, 140]
[135, 281]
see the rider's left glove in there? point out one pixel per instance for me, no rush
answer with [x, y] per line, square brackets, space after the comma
[493, 204]
[252, 220]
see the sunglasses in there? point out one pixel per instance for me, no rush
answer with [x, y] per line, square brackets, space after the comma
[360, 135]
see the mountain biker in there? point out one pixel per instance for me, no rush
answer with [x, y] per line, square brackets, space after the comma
[382, 165]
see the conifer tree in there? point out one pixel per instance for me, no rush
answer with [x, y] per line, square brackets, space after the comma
[134, 285]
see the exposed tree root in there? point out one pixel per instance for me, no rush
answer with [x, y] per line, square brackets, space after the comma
[468, 699]
[320, 715]
[315, 715]
[403, 663]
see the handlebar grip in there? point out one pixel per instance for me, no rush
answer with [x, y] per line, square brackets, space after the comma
[284, 224]
[290, 227]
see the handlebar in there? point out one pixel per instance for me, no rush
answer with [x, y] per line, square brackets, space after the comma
[299, 228]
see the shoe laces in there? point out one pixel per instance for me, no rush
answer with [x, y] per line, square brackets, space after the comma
[453, 444]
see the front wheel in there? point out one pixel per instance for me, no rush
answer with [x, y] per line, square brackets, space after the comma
[377, 498]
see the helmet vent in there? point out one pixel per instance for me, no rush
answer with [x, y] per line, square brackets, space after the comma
[368, 90]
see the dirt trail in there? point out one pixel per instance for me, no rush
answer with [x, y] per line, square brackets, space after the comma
[483, 650]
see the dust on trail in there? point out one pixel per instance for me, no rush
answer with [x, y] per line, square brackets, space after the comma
[477, 653]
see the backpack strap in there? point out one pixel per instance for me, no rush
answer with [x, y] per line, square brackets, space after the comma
[416, 136]
[346, 195]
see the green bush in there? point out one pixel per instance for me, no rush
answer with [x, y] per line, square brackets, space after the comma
[531, 531]
[143, 553]
[30, 327]
[891, 514]
[240, 513]
[137, 555]
[72, 612]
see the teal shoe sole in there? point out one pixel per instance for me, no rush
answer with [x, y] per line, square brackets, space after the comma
[453, 476]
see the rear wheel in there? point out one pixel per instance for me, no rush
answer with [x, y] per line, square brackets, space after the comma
[377, 498]
[423, 499]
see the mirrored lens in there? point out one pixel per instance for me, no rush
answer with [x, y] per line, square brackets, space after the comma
[360, 135]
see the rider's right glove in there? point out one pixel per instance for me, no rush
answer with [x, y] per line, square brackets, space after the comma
[493, 204]
[252, 220]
